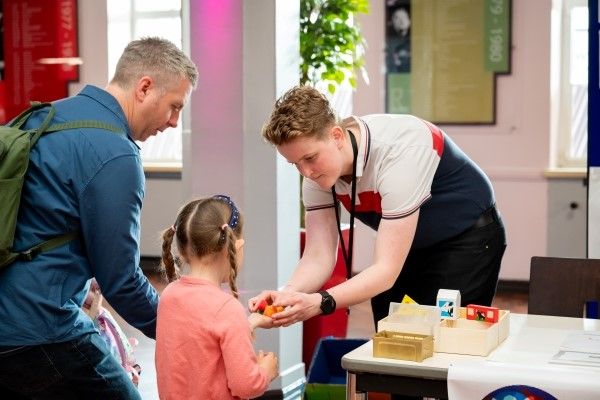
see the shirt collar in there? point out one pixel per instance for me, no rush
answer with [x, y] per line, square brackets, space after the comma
[108, 101]
[354, 125]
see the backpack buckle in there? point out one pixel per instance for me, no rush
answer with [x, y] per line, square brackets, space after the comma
[30, 254]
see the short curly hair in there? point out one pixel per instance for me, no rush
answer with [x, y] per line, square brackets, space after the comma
[302, 111]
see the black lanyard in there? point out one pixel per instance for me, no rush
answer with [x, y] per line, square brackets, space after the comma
[348, 253]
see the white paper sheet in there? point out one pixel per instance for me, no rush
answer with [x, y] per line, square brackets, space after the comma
[585, 342]
[579, 348]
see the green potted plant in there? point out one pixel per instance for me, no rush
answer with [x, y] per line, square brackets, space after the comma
[331, 43]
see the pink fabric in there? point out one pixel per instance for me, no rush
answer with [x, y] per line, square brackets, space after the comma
[204, 346]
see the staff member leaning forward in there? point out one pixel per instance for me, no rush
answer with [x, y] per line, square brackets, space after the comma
[433, 209]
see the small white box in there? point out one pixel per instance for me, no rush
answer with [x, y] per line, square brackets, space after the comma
[449, 302]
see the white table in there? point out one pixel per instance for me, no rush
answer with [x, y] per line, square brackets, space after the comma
[533, 339]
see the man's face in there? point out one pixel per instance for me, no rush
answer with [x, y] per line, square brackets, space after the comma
[317, 159]
[160, 109]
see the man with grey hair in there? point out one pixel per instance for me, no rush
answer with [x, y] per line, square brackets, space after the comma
[88, 182]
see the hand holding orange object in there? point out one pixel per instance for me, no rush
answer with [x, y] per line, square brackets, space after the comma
[270, 310]
[261, 306]
[262, 300]
[257, 320]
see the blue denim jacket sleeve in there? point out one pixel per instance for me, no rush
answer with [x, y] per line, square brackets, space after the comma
[110, 221]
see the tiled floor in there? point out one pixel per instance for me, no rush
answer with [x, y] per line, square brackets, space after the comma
[360, 325]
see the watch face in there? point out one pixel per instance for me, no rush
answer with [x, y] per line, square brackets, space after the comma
[327, 303]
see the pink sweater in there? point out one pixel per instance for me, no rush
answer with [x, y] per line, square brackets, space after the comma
[203, 345]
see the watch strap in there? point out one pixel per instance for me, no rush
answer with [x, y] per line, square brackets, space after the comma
[328, 304]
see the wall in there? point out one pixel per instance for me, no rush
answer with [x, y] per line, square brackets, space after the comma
[567, 214]
[514, 151]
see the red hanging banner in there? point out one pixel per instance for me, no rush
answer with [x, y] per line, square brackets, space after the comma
[40, 52]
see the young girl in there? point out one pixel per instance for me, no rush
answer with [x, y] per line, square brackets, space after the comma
[203, 338]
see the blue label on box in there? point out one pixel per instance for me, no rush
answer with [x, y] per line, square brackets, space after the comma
[447, 307]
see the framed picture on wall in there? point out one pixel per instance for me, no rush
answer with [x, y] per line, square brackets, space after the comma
[443, 57]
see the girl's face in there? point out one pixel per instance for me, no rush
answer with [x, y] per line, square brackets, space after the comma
[320, 160]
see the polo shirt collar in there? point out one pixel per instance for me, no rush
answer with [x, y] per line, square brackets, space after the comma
[356, 125]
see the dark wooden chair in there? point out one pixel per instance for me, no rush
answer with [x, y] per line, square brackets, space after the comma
[561, 286]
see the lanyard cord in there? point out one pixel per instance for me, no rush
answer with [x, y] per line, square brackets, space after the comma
[348, 253]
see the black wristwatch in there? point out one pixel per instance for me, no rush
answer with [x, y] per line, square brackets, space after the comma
[327, 303]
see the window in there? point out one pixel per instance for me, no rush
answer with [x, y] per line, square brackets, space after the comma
[569, 79]
[133, 19]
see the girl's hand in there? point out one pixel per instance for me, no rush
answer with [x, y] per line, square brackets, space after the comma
[269, 362]
[265, 296]
[257, 320]
[93, 303]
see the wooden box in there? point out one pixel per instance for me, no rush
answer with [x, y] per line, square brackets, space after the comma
[402, 346]
[464, 336]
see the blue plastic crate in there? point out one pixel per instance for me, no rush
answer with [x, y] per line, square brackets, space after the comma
[326, 378]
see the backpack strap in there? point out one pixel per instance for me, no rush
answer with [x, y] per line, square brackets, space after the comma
[83, 124]
[20, 119]
[50, 244]
[45, 127]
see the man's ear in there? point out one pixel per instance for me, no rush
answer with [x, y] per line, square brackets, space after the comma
[338, 135]
[142, 88]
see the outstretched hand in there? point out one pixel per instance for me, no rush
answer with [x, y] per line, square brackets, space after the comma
[298, 307]
[265, 295]
[257, 320]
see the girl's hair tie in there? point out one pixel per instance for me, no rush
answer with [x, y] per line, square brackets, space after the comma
[224, 226]
[235, 214]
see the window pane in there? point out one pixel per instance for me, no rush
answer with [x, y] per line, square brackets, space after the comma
[578, 78]
[164, 147]
[579, 46]
[579, 109]
[157, 5]
[118, 36]
[168, 28]
[119, 31]
[118, 9]
[133, 19]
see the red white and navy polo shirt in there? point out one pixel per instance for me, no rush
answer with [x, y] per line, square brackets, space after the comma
[405, 164]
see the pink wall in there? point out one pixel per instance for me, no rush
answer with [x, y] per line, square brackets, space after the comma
[216, 48]
[514, 152]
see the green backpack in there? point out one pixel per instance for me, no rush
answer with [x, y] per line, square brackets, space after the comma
[15, 145]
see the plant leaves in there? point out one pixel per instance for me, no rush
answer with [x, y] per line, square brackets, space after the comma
[331, 44]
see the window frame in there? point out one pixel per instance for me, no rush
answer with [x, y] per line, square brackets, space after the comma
[560, 87]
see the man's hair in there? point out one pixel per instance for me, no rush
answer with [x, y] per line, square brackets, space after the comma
[301, 112]
[156, 57]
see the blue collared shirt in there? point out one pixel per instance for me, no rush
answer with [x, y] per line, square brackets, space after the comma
[88, 181]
